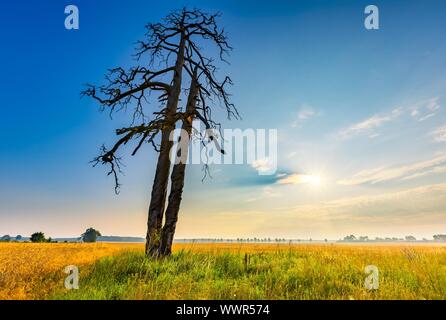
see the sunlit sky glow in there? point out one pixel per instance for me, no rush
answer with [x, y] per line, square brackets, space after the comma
[360, 116]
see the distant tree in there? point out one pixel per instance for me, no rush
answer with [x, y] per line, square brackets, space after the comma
[90, 235]
[38, 237]
[440, 237]
[410, 238]
[350, 238]
[19, 238]
[5, 238]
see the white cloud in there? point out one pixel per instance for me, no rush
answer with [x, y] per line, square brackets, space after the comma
[374, 135]
[382, 174]
[305, 113]
[369, 124]
[439, 134]
[292, 154]
[264, 165]
[425, 109]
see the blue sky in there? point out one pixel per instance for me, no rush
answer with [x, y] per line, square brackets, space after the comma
[362, 110]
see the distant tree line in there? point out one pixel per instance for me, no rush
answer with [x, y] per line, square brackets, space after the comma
[8, 238]
[353, 238]
[89, 236]
[247, 240]
[440, 237]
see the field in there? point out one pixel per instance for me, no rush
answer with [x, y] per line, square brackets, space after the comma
[223, 271]
[32, 271]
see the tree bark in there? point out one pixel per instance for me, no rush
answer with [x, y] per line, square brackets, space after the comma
[178, 175]
[159, 188]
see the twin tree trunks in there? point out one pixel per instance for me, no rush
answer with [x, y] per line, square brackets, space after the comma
[177, 180]
[154, 246]
[187, 72]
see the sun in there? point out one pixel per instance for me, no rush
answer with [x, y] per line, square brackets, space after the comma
[314, 180]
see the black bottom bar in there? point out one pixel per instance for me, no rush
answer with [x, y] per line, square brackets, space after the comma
[223, 309]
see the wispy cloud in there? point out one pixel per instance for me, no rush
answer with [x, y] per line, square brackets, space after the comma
[425, 109]
[297, 178]
[374, 135]
[438, 170]
[305, 113]
[361, 201]
[421, 111]
[265, 193]
[439, 134]
[292, 154]
[369, 124]
[281, 178]
[264, 166]
[381, 174]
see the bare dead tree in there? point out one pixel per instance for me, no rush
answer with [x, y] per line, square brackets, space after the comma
[173, 45]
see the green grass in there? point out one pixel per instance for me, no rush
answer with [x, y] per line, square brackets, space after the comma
[322, 273]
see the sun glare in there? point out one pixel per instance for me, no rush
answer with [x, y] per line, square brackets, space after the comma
[313, 180]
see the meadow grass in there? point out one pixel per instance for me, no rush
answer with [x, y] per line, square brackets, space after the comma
[234, 271]
[34, 270]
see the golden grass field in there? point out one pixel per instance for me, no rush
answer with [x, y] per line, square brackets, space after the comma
[32, 270]
[223, 271]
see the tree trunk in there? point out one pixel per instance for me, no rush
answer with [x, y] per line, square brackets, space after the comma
[177, 177]
[159, 188]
